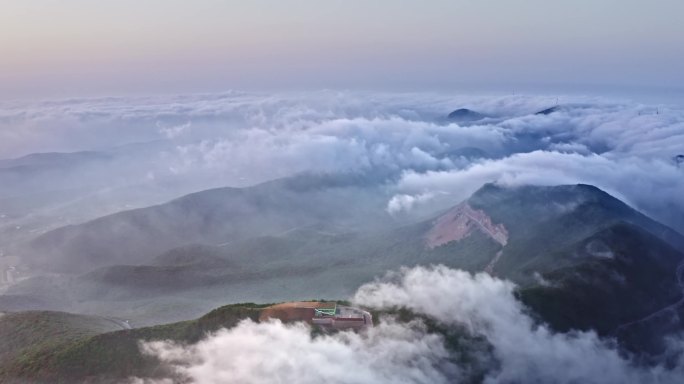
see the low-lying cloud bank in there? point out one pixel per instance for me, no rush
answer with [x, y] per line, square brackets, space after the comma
[273, 352]
[189, 143]
[521, 350]
[652, 185]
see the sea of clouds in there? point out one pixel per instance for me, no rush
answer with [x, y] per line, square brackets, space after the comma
[193, 142]
[172, 145]
[522, 350]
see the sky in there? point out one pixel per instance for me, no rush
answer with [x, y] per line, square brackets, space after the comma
[71, 48]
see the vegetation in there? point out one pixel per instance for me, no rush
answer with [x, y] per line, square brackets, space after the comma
[81, 355]
[583, 260]
[66, 357]
[24, 333]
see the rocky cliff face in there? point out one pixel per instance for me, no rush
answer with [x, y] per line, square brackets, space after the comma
[459, 223]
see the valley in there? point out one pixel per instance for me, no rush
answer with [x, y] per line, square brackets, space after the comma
[313, 259]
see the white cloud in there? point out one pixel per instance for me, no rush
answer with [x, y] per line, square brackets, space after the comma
[405, 203]
[527, 352]
[240, 139]
[522, 351]
[273, 352]
[173, 131]
[652, 185]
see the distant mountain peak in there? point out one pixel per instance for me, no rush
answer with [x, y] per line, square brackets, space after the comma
[549, 111]
[465, 114]
[556, 192]
[588, 203]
